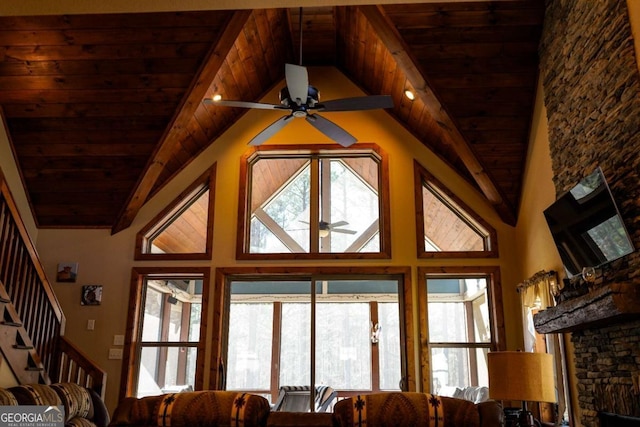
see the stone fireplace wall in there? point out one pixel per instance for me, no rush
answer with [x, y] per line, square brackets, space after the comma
[592, 95]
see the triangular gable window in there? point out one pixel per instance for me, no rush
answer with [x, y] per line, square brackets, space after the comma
[446, 226]
[183, 229]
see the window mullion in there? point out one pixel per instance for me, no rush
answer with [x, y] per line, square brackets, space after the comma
[325, 202]
[164, 336]
[184, 336]
[314, 205]
[312, 388]
[375, 351]
[275, 349]
[473, 362]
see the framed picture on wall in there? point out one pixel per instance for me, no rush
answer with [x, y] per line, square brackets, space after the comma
[67, 272]
[91, 295]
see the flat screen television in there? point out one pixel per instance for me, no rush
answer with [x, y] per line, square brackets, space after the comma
[586, 225]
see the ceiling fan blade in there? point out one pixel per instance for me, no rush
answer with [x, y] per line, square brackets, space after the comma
[331, 129]
[357, 104]
[338, 224]
[343, 231]
[297, 82]
[271, 130]
[244, 104]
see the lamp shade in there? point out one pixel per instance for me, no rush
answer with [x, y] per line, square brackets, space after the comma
[517, 375]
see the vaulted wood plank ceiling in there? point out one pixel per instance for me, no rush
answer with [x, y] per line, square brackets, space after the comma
[103, 110]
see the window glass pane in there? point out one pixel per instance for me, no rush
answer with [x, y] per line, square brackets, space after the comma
[389, 346]
[175, 322]
[164, 370]
[447, 322]
[447, 227]
[284, 213]
[152, 315]
[343, 346]
[295, 345]
[186, 231]
[350, 204]
[264, 241]
[194, 322]
[458, 367]
[148, 373]
[249, 352]
[458, 310]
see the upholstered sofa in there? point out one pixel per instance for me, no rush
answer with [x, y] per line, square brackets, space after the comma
[227, 409]
[82, 406]
[195, 408]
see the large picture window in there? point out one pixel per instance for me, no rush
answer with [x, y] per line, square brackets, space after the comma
[315, 203]
[345, 332]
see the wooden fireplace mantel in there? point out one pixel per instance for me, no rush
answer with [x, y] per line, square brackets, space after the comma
[603, 306]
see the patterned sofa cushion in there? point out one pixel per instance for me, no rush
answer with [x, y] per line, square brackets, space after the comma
[404, 409]
[197, 408]
[76, 400]
[7, 398]
[83, 407]
[36, 394]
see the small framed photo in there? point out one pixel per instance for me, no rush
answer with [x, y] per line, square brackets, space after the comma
[67, 272]
[91, 295]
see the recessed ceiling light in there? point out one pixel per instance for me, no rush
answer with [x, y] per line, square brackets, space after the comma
[217, 97]
[409, 94]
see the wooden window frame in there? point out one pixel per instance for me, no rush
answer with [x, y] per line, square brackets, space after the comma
[468, 215]
[242, 242]
[133, 335]
[496, 313]
[224, 277]
[204, 181]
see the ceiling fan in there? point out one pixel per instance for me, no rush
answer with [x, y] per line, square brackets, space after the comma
[302, 99]
[324, 228]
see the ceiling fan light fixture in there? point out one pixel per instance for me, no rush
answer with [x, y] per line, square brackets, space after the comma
[323, 233]
[409, 94]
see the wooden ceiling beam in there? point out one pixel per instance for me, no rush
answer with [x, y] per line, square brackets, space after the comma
[387, 32]
[180, 121]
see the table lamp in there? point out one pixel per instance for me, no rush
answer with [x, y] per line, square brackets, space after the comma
[517, 375]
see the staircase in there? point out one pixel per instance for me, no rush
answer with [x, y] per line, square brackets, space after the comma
[31, 319]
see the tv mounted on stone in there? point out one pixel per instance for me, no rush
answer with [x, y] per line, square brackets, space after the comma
[586, 225]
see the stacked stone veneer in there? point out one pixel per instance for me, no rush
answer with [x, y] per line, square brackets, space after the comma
[592, 95]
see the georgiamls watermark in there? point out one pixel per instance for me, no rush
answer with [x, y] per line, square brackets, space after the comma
[32, 416]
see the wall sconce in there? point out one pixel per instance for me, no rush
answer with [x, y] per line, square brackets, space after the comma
[375, 333]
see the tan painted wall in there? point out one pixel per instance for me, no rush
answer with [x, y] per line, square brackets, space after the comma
[107, 260]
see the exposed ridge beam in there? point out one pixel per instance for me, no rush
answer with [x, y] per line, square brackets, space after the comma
[390, 37]
[196, 92]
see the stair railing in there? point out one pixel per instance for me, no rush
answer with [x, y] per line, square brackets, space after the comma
[35, 302]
